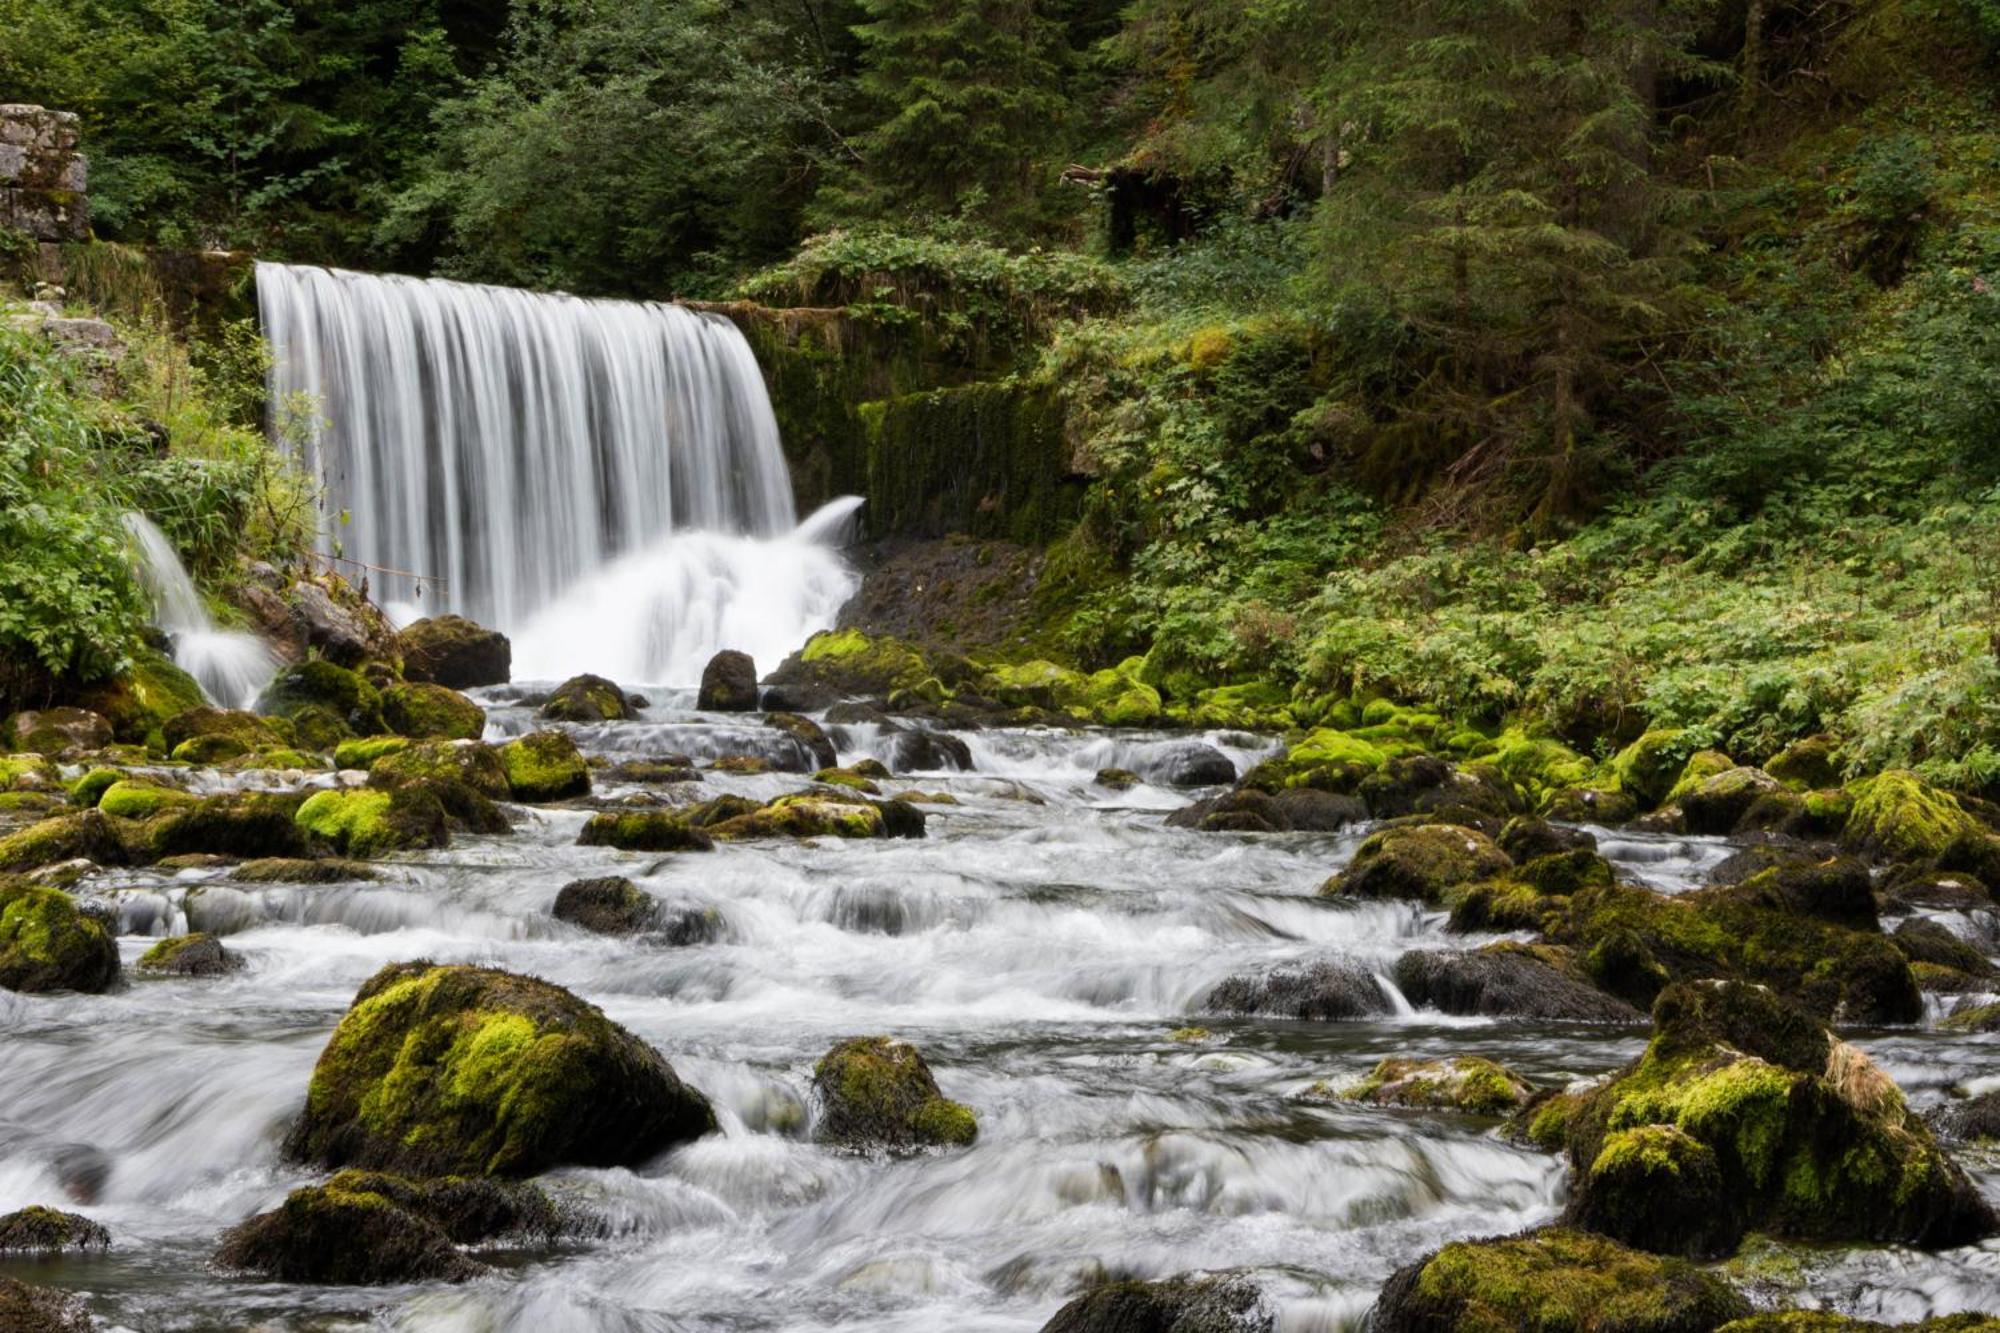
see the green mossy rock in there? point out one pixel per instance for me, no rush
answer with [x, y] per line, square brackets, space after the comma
[1701, 766]
[813, 742]
[848, 778]
[91, 835]
[1535, 766]
[473, 763]
[245, 824]
[1116, 697]
[247, 730]
[1172, 1305]
[371, 821]
[1719, 803]
[1590, 805]
[92, 785]
[326, 703]
[1325, 759]
[428, 712]
[41, 1230]
[1826, 1321]
[1813, 764]
[1556, 1280]
[454, 1070]
[1464, 1083]
[1837, 889]
[140, 798]
[644, 831]
[196, 955]
[1809, 1139]
[59, 731]
[545, 766]
[610, 905]
[140, 702]
[1255, 706]
[26, 1309]
[1040, 684]
[812, 815]
[207, 750]
[363, 751]
[451, 650]
[1418, 863]
[1981, 1018]
[347, 1237]
[850, 663]
[29, 772]
[588, 698]
[295, 870]
[875, 1092]
[48, 944]
[1649, 766]
[1899, 816]
[1116, 779]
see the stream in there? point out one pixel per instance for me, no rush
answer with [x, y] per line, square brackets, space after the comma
[1045, 946]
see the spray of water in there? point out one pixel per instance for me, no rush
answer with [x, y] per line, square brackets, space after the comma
[231, 667]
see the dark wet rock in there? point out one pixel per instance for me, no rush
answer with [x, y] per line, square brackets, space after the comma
[921, 750]
[474, 1071]
[1526, 838]
[451, 650]
[1744, 862]
[815, 750]
[59, 732]
[1418, 863]
[49, 1231]
[1507, 981]
[1310, 810]
[82, 1170]
[26, 1309]
[728, 684]
[345, 631]
[1720, 802]
[1915, 888]
[876, 1092]
[652, 772]
[1837, 889]
[610, 905]
[49, 943]
[681, 927]
[1117, 779]
[196, 955]
[1967, 1119]
[588, 698]
[1555, 1278]
[1173, 1305]
[1776, 1126]
[545, 766]
[1464, 1083]
[806, 698]
[1321, 992]
[299, 870]
[1590, 805]
[1189, 764]
[1246, 810]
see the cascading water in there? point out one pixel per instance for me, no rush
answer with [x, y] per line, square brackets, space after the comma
[231, 667]
[600, 479]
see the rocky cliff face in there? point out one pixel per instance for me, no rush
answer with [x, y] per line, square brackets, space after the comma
[42, 176]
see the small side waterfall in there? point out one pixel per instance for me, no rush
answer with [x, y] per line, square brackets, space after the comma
[600, 479]
[231, 667]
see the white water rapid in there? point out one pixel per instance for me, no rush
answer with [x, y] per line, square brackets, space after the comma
[231, 667]
[602, 480]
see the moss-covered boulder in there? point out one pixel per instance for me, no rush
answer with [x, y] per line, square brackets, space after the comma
[453, 651]
[1550, 1280]
[40, 1230]
[848, 778]
[90, 786]
[1899, 816]
[876, 1092]
[325, 703]
[47, 943]
[296, 870]
[728, 684]
[59, 731]
[1836, 889]
[372, 821]
[425, 711]
[610, 905]
[29, 1309]
[1116, 697]
[245, 730]
[347, 1237]
[90, 835]
[1218, 1304]
[1323, 992]
[815, 748]
[545, 766]
[362, 751]
[141, 798]
[1721, 802]
[1116, 779]
[246, 824]
[1418, 863]
[139, 701]
[1781, 1128]
[29, 773]
[1466, 1083]
[821, 815]
[196, 955]
[644, 831]
[474, 763]
[1649, 766]
[588, 698]
[453, 1070]
[1422, 784]
[1326, 759]
[1813, 764]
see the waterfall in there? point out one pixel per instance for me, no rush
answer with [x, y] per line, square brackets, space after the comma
[602, 480]
[231, 667]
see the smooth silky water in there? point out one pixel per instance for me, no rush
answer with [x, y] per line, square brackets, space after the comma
[1042, 946]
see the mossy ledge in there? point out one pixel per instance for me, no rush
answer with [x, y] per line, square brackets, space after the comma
[460, 1070]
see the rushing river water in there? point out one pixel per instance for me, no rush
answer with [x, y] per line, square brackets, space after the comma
[1042, 946]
